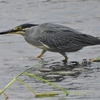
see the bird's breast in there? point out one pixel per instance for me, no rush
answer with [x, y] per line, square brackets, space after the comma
[34, 42]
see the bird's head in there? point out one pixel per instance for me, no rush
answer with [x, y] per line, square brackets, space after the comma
[19, 29]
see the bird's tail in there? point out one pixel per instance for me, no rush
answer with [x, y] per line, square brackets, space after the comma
[91, 40]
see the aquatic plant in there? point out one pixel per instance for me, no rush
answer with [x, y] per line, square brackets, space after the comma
[37, 95]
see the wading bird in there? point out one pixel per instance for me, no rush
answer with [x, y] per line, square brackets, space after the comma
[53, 37]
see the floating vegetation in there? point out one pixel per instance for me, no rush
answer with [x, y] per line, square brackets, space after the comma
[37, 95]
[55, 72]
[95, 59]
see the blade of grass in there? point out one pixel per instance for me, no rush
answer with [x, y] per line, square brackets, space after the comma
[14, 79]
[46, 94]
[50, 83]
[38, 95]
[6, 96]
[20, 81]
[7, 86]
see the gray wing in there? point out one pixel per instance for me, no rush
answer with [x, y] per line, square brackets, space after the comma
[65, 39]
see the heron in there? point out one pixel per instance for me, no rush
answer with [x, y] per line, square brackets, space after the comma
[53, 37]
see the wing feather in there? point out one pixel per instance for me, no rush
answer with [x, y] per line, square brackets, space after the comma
[64, 38]
[58, 39]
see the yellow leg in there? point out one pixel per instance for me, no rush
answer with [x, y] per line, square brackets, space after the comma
[39, 55]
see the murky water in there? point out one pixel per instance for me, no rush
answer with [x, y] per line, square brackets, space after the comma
[16, 54]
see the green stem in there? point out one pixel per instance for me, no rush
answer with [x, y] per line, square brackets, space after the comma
[20, 81]
[15, 79]
[50, 83]
[24, 72]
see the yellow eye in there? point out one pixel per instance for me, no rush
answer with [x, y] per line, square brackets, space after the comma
[18, 28]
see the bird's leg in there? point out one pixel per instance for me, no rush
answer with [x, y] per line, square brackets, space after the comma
[64, 54]
[39, 55]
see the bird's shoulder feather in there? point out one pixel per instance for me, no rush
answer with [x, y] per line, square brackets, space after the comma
[54, 36]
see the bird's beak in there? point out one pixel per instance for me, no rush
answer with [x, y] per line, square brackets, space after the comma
[8, 32]
[12, 31]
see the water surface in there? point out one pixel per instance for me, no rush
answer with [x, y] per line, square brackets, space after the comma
[15, 53]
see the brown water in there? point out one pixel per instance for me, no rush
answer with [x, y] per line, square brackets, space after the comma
[16, 54]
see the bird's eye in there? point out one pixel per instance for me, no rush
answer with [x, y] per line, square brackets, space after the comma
[18, 28]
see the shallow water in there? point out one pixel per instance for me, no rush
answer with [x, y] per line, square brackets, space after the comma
[16, 54]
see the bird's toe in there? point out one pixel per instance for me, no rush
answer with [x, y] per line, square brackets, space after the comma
[64, 61]
[38, 56]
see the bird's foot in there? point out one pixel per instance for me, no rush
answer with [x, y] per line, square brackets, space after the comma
[64, 61]
[38, 56]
